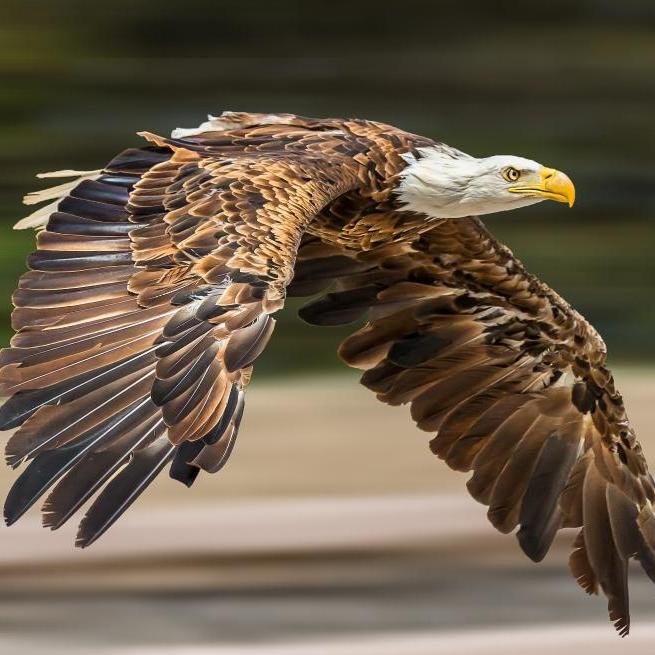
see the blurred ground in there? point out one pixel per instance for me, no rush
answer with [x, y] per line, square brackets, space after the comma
[332, 530]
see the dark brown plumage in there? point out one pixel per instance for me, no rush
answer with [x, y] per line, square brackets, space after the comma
[153, 289]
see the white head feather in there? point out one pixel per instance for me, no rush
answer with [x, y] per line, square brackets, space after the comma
[443, 182]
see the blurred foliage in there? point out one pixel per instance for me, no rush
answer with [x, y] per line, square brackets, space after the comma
[569, 84]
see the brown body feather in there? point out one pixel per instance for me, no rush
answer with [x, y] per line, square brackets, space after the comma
[152, 292]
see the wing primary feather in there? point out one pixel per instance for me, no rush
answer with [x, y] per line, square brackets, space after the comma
[610, 568]
[19, 407]
[91, 472]
[540, 515]
[580, 567]
[123, 490]
[15, 454]
[50, 465]
[629, 540]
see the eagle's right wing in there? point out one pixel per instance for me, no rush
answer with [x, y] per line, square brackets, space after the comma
[149, 298]
[511, 382]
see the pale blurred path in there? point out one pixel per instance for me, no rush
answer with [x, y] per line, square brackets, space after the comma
[547, 640]
[333, 531]
[259, 528]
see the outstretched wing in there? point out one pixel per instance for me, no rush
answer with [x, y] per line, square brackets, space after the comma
[148, 299]
[511, 382]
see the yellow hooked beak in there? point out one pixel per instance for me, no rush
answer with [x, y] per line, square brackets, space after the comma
[551, 185]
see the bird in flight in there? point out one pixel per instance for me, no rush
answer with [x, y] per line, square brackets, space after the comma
[154, 287]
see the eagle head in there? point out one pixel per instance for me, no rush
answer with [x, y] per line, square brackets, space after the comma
[443, 182]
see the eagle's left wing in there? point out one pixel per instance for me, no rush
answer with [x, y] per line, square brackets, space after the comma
[148, 299]
[511, 382]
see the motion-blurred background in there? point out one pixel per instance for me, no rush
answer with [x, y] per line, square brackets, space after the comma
[333, 527]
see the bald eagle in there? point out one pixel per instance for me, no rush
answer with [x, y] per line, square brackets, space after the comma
[154, 285]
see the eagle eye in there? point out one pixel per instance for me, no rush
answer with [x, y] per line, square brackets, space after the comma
[511, 174]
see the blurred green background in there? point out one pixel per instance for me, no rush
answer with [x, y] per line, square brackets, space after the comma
[570, 84]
